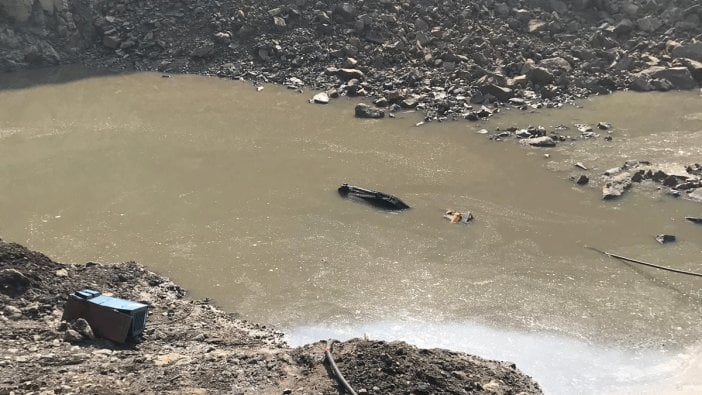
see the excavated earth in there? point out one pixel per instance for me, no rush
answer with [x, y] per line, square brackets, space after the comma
[192, 346]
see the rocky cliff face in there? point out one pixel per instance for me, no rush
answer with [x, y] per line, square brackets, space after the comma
[43, 32]
[439, 55]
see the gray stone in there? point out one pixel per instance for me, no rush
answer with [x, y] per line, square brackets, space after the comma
[543, 141]
[13, 282]
[222, 37]
[205, 49]
[350, 63]
[556, 63]
[502, 9]
[691, 51]
[536, 25]
[694, 66]
[279, 22]
[649, 23]
[662, 85]
[72, 336]
[679, 77]
[321, 98]
[540, 75]
[615, 186]
[18, 10]
[604, 126]
[641, 84]
[349, 74]
[365, 111]
[582, 180]
[111, 41]
[625, 26]
[12, 312]
[83, 327]
[501, 93]
[345, 11]
[695, 195]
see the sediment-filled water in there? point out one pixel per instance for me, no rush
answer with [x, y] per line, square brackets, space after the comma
[231, 192]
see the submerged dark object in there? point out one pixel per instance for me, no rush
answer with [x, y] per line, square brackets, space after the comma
[374, 198]
[696, 220]
[665, 238]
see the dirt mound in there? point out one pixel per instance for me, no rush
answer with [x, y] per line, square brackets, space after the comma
[193, 347]
[397, 367]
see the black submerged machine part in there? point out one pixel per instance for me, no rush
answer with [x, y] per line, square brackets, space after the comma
[374, 198]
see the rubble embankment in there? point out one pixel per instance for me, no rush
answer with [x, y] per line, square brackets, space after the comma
[191, 346]
[440, 57]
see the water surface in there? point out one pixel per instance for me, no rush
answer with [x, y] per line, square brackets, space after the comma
[232, 193]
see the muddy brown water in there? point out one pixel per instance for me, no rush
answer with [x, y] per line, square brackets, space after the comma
[232, 193]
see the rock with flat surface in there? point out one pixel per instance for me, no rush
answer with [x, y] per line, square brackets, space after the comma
[556, 63]
[691, 51]
[540, 75]
[321, 98]
[366, 111]
[543, 141]
[694, 66]
[536, 25]
[679, 77]
[350, 74]
[501, 93]
[615, 187]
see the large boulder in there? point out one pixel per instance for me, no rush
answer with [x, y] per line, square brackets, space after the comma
[350, 74]
[365, 111]
[694, 66]
[501, 93]
[13, 282]
[691, 51]
[679, 77]
[649, 23]
[543, 141]
[540, 75]
[615, 186]
[556, 63]
[345, 11]
[204, 49]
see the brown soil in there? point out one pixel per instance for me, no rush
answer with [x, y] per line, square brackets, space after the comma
[194, 347]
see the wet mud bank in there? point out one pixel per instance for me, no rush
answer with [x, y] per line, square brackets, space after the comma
[446, 59]
[191, 346]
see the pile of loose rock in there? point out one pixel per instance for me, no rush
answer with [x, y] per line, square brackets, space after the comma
[446, 58]
[676, 181]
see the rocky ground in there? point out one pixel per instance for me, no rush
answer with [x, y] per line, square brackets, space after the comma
[445, 58]
[193, 347]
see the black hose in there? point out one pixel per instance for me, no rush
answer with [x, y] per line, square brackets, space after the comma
[337, 373]
[645, 263]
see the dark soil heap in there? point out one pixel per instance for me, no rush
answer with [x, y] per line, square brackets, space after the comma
[193, 347]
[441, 57]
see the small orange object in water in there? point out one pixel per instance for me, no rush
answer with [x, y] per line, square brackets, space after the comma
[456, 216]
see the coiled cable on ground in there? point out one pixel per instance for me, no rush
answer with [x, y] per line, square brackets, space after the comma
[337, 373]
